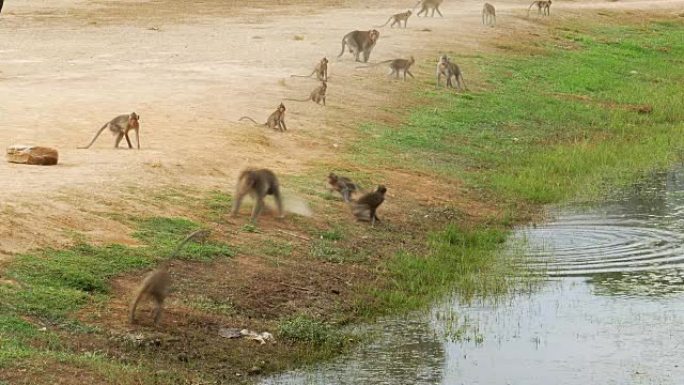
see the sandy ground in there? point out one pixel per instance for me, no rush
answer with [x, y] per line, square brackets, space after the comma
[191, 69]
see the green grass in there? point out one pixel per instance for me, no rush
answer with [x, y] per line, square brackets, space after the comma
[308, 330]
[51, 284]
[549, 128]
[554, 127]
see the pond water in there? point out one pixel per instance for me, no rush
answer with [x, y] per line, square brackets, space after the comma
[610, 312]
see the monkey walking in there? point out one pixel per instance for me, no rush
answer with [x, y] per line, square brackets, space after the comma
[365, 208]
[543, 7]
[488, 15]
[120, 126]
[343, 185]
[275, 121]
[258, 184]
[427, 5]
[321, 71]
[360, 41]
[449, 69]
[396, 66]
[157, 283]
[317, 95]
[397, 19]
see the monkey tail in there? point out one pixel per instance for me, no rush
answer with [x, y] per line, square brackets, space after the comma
[95, 138]
[380, 26]
[528, 9]
[415, 6]
[304, 76]
[344, 42]
[248, 118]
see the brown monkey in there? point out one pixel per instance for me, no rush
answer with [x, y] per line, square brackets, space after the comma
[360, 41]
[343, 185]
[276, 121]
[543, 7]
[397, 19]
[488, 14]
[321, 71]
[449, 69]
[120, 126]
[317, 95]
[157, 283]
[396, 66]
[427, 5]
[365, 208]
[258, 184]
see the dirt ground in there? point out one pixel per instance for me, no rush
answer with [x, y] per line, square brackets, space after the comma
[191, 69]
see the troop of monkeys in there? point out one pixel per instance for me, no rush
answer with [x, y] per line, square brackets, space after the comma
[259, 183]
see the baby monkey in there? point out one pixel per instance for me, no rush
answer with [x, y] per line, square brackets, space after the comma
[365, 208]
[120, 126]
[276, 121]
[317, 95]
[157, 283]
[343, 185]
[258, 184]
[321, 71]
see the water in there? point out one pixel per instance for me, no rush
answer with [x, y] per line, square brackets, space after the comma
[611, 312]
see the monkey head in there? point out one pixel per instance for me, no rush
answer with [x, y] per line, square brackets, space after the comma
[381, 189]
[332, 178]
[373, 35]
[281, 108]
[133, 120]
[409, 12]
[324, 60]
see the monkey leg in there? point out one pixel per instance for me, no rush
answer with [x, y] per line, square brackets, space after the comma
[137, 138]
[259, 204]
[157, 311]
[279, 204]
[440, 13]
[119, 137]
[238, 201]
[410, 74]
[128, 140]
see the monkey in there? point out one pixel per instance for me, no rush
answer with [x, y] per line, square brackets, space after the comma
[317, 95]
[396, 66]
[364, 209]
[343, 185]
[427, 5]
[258, 183]
[157, 283]
[359, 41]
[321, 71]
[276, 121]
[120, 126]
[449, 69]
[543, 7]
[488, 14]
[397, 19]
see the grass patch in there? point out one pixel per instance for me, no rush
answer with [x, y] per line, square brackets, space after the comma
[566, 124]
[553, 127]
[304, 329]
[51, 284]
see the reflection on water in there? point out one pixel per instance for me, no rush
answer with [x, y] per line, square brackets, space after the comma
[612, 311]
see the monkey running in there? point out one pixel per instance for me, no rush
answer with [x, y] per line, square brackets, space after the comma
[258, 184]
[120, 127]
[343, 185]
[365, 208]
[157, 283]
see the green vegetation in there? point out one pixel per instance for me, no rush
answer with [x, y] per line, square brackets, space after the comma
[51, 284]
[311, 331]
[599, 107]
